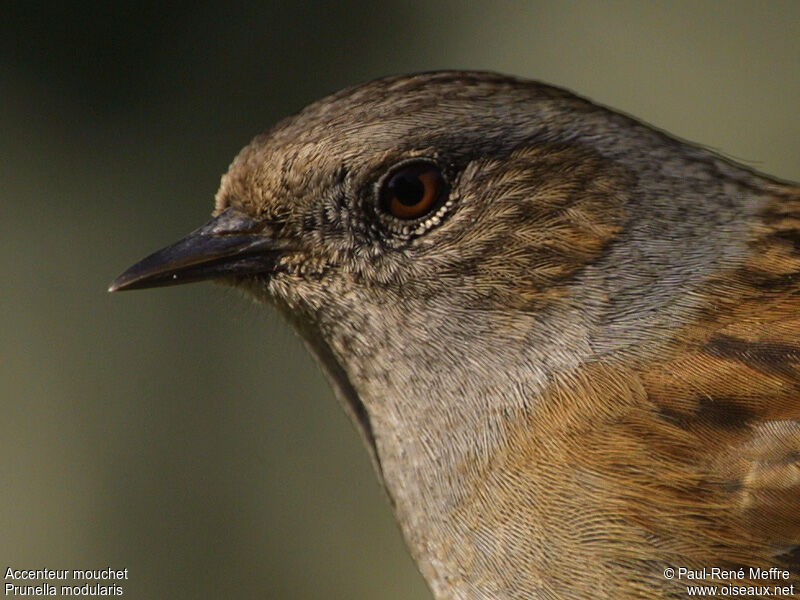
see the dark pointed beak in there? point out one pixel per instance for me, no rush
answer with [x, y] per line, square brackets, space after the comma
[230, 244]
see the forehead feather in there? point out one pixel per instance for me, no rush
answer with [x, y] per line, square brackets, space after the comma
[358, 127]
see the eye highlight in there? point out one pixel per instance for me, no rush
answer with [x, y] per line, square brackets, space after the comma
[412, 191]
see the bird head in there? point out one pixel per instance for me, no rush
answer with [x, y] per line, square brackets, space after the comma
[445, 203]
[460, 235]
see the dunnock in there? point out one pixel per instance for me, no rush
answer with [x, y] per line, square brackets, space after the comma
[571, 342]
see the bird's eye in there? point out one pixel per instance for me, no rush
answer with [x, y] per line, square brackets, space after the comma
[412, 191]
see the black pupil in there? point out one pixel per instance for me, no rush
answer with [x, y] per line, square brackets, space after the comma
[407, 188]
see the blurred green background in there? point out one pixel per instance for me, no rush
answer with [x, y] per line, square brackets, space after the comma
[185, 433]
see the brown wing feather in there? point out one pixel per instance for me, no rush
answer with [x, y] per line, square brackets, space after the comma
[736, 387]
[689, 460]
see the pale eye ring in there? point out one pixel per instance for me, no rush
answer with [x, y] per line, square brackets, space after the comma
[412, 191]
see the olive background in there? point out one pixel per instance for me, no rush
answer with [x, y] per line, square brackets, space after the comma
[184, 433]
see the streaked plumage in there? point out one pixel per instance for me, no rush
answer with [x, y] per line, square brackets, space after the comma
[581, 369]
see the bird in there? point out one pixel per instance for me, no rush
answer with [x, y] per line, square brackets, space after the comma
[569, 341]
